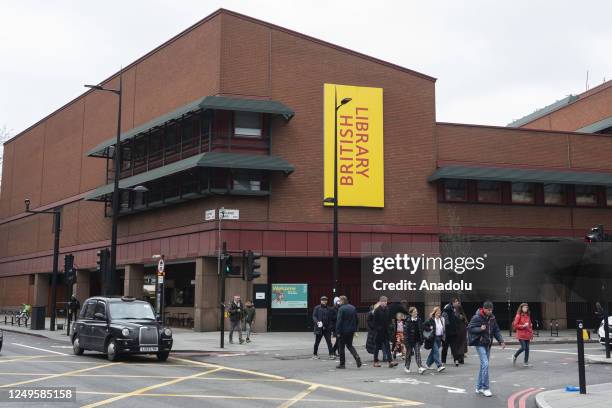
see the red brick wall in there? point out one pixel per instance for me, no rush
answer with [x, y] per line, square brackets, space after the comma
[593, 106]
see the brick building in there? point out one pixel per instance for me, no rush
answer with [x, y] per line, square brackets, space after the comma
[229, 113]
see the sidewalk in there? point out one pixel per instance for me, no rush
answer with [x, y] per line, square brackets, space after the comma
[188, 340]
[597, 396]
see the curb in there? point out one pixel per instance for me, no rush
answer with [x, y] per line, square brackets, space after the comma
[541, 401]
[26, 333]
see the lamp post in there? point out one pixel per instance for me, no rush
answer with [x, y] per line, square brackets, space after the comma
[115, 204]
[334, 199]
[57, 214]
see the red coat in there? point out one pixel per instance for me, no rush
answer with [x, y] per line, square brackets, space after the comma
[523, 333]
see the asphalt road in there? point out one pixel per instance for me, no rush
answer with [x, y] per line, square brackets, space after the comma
[288, 379]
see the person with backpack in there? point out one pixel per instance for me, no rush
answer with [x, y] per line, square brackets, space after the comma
[482, 329]
[413, 338]
[438, 326]
[524, 333]
[249, 318]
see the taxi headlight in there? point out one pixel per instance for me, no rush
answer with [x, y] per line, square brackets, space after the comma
[167, 332]
[125, 332]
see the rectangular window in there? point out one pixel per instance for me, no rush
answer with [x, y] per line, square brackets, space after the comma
[125, 200]
[523, 193]
[155, 193]
[455, 190]
[155, 146]
[247, 181]
[190, 136]
[554, 194]
[489, 191]
[247, 124]
[172, 142]
[126, 157]
[140, 152]
[172, 187]
[139, 200]
[586, 195]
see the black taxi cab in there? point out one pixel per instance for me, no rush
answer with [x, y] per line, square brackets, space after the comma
[120, 326]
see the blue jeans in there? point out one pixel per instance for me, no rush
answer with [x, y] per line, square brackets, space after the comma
[525, 348]
[434, 354]
[483, 374]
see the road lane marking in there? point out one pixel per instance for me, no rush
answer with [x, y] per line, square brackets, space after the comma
[329, 387]
[49, 377]
[23, 359]
[517, 394]
[523, 399]
[452, 390]
[551, 351]
[141, 391]
[298, 397]
[40, 349]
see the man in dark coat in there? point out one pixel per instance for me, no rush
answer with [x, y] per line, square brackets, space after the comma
[381, 327]
[451, 316]
[346, 326]
[73, 307]
[482, 329]
[236, 313]
[321, 317]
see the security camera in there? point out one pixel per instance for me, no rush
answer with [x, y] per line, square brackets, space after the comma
[27, 204]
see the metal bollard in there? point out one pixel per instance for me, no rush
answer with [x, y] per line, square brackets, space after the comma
[580, 344]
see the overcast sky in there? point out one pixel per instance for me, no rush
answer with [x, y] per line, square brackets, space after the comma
[495, 61]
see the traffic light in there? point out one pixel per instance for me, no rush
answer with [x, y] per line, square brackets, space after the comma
[596, 234]
[103, 261]
[227, 263]
[69, 270]
[253, 265]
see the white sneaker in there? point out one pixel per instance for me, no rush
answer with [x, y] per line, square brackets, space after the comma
[487, 393]
[406, 370]
[441, 368]
[315, 357]
[478, 391]
[527, 365]
[422, 370]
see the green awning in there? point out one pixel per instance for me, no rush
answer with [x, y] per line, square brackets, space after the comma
[212, 159]
[597, 126]
[521, 175]
[209, 102]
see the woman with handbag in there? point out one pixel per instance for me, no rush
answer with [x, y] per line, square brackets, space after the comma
[437, 324]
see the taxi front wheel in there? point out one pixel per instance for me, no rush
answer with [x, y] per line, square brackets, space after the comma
[111, 350]
[163, 355]
[76, 346]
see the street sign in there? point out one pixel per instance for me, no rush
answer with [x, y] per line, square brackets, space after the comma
[160, 267]
[209, 215]
[226, 214]
[160, 279]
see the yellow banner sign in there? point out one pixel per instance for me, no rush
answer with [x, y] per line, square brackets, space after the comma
[359, 127]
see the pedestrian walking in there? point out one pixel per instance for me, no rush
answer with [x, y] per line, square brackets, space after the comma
[599, 316]
[322, 329]
[459, 346]
[332, 324]
[346, 326]
[73, 306]
[371, 339]
[438, 325]
[482, 329]
[249, 318]
[451, 317]
[399, 345]
[413, 337]
[236, 314]
[524, 332]
[381, 326]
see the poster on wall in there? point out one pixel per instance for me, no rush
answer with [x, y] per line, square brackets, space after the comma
[356, 114]
[289, 296]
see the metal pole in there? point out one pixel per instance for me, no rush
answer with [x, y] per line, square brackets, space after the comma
[335, 254]
[113, 249]
[57, 221]
[606, 330]
[221, 274]
[580, 343]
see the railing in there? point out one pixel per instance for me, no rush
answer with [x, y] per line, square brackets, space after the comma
[14, 316]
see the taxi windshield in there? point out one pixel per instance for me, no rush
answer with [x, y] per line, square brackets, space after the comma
[131, 310]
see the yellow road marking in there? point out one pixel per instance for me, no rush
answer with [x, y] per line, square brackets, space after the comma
[24, 358]
[151, 387]
[298, 397]
[57, 375]
[329, 387]
[196, 396]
